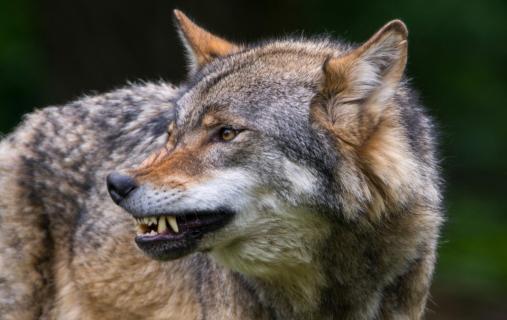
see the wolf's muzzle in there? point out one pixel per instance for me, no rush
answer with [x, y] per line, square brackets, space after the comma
[119, 186]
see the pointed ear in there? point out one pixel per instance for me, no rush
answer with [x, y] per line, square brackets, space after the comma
[355, 107]
[201, 45]
[371, 71]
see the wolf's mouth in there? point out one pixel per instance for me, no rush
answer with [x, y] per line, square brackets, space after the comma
[167, 237]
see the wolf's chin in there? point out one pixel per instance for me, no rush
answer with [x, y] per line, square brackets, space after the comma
[165, 250]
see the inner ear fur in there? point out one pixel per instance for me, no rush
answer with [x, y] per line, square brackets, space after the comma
[374, 67]
[356, 106]
[202, 46]
[359, 85]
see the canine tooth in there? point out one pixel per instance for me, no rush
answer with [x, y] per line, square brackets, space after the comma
[173, 223]
[162, 226]
[145, 220]
[152, 220]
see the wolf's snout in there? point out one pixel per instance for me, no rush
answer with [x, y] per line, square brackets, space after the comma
[119, 186]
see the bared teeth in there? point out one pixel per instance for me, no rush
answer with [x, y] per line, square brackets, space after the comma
[155, 225]
[162, 226]
[173, 223]
[139, 229]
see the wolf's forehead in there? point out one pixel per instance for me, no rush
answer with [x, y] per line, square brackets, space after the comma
[278, 80]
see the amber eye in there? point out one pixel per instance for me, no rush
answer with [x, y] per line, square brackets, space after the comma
[227, 134]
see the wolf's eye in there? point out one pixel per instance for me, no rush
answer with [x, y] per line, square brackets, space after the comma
[227, 133]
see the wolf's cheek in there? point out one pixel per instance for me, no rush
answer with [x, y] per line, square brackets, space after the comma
[266, 243]
[303, 180]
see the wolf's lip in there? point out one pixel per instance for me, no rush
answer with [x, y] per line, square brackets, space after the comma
[168, 237]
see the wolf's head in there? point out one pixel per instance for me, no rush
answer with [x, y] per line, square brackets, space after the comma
[271, 142]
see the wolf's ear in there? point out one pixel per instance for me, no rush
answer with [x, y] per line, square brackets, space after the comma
[201, 45]
[355, 105]
[371, 71]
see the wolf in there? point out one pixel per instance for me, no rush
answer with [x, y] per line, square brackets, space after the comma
[295, 178]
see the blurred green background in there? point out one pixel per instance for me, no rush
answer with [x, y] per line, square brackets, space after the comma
[52, 51]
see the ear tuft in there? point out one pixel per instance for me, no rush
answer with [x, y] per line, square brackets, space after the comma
[202, 46]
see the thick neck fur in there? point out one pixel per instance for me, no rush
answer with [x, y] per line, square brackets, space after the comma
[352, 274]
[282, 264]
[332, 285]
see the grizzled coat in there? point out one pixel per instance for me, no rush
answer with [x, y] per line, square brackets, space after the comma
[331, 176]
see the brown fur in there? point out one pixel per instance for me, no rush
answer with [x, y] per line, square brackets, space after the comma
[204, 44]
[343, 221]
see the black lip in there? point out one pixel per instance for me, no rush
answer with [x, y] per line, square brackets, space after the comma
[195, 225]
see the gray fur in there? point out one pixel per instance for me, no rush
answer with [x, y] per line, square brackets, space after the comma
[318, 234]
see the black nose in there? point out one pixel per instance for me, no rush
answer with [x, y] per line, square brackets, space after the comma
[119, 186]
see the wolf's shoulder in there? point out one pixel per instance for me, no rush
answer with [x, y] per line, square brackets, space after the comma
[59, 153]
[96, 121]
